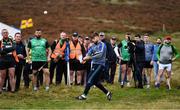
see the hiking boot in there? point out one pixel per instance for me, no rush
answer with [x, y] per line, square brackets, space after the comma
[81, 97]
[109, 96]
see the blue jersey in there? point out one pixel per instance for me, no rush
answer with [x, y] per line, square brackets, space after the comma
[98, 53]
[148, 51]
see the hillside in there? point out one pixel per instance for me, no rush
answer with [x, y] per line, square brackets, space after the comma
[94, 15]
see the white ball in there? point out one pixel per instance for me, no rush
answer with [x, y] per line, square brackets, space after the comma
[45, 12]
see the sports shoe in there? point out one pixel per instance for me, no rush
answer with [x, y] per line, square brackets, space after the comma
[47, 88]
[168, 87]
[148, 86]
[81, 97]
[140, 86]
[35, 88]
[13, 91]
[128, 84]
[122, 84]
[4, 89]
[157, 86]
[109, 96]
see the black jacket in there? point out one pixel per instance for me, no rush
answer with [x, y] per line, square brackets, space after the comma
[139, 51]
[110, 54]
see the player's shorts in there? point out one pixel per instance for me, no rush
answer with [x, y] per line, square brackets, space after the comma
[38, 64]
[129, 63]
[147, 64]
[7, 61]
[167, 67]
[75, 65]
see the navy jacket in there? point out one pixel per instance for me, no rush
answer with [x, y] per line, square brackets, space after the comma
[20, 49]
[110, 54]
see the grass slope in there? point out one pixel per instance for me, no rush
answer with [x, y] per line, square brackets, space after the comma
[63, 97]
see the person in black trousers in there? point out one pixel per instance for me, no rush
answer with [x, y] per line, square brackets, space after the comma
[26, 73]
[53, 64]
[109, 57]
[58, 55]
[98, 55]
[139, 58]
[21, 53]
[113, 63]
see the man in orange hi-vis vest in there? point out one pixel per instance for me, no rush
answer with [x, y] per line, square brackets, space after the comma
[8, 59]
[75, 59]
[58, 57]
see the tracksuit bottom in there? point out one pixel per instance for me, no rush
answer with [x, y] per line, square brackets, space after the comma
[27, 71]
[94, 79]
[112, 68]
[138, 73]
[60, 71]
[18, 72]
[53, 66]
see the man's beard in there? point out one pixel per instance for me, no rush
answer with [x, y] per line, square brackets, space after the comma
[38, 37]
[168, 43]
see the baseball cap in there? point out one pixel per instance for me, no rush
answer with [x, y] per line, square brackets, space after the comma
[101, 34]
[168, 37]
[113, 38]
[87, 38]
[75, 34]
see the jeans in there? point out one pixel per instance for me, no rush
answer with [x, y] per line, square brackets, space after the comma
[155, 67]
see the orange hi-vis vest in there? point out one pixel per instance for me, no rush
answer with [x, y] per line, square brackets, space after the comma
[58, 51]
[75, 52]
[13, 52]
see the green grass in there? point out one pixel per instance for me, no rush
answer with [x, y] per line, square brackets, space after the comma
[63, 97]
